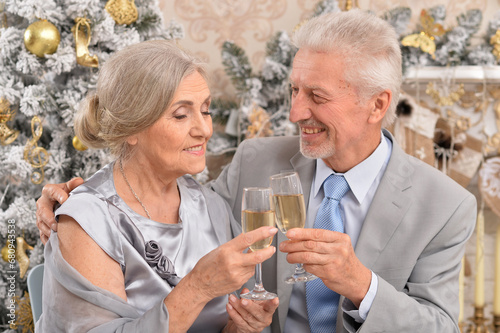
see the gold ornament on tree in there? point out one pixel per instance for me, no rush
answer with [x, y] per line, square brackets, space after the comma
[7, 135]
[5, 252]
[82, 34]
[350, 4]
[4, 18]
[38, 157]
[78, 145]
[41, 38]
[122, 11]
[448, 100]
[425, 39]
[495, 42]
[259, 123]
[493, 141]
[22, 258]
[24, 315]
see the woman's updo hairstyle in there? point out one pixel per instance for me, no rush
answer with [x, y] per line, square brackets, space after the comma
[135, 86]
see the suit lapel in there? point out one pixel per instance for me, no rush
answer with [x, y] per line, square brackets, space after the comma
[305, 168]
[216, 211]
[387, 210]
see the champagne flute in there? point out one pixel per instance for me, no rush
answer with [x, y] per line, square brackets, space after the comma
[257, 211]
[290, 213]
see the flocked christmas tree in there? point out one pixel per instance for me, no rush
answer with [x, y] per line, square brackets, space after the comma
[50, 52]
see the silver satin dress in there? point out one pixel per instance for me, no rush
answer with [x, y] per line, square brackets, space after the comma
[72, 304]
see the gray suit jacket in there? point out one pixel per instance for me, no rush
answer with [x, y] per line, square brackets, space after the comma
[413, 236]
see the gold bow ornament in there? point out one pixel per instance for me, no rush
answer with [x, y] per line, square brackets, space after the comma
[425, 38]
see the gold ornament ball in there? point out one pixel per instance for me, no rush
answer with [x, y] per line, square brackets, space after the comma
[41, 38]
[5, 253]
[78, 144]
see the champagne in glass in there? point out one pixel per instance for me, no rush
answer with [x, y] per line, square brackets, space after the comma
[257, 211]
[253, 220]
[290, 213]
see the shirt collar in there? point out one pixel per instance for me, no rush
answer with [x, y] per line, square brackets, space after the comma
[361, 177]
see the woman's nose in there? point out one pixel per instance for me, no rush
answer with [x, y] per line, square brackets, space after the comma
[203, 126]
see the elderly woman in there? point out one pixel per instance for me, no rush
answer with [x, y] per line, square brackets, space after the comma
[141, 246]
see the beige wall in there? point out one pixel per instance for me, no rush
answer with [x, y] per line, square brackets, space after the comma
[250, 23]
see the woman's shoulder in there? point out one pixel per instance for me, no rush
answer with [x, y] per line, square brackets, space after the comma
[100, 183]
[90, 196]
[91, 206]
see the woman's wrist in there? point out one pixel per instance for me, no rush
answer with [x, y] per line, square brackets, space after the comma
[184, 303]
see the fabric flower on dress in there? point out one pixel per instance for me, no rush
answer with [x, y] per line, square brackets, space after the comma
[161, 263]
[166, 270]
[153, 253]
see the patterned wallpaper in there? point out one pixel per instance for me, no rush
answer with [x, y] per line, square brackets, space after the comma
[250, 23]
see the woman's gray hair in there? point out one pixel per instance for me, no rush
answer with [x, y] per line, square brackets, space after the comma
[135, 86]
[369, 48]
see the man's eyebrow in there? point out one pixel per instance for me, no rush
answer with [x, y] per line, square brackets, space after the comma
[313, 87]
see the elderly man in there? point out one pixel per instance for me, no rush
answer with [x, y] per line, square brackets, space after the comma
[393, 264]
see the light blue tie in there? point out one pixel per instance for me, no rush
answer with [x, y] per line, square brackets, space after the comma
[322, 302]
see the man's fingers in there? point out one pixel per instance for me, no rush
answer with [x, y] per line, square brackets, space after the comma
[320, 235]
[271, 305]
[246, 239]
[308, 258]
[240, 316]
[45, 215]
[73, 183]
[45, 221]
[52, 193]
[249, 311]
[43, 238]
[255, 313]
[319, 247]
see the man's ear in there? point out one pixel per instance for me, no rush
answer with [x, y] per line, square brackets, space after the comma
[381, 103]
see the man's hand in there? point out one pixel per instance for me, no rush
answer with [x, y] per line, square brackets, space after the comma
[246, 316]
[329, 255]
[52, 194]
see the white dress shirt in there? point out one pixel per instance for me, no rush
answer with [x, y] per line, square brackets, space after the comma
[363, 180]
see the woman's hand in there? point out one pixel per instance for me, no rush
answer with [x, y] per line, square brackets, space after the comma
[228, 267]
[218, 273]
[246, 316]
[52, 194]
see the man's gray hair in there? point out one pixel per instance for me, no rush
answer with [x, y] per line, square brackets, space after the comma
[369, 47]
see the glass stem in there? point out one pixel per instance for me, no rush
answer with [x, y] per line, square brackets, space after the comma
[258, 279]
[299, 269]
